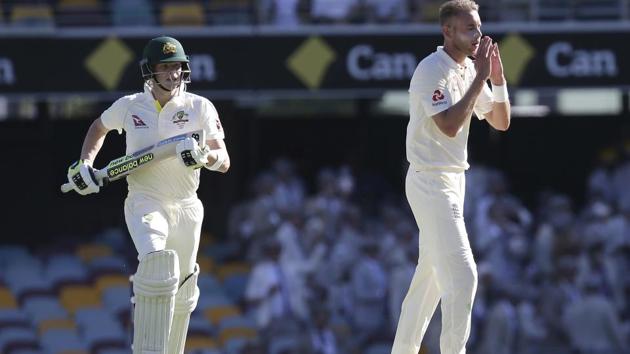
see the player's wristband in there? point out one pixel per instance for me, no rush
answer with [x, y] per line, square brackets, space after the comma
[500, 93]
[221, 157]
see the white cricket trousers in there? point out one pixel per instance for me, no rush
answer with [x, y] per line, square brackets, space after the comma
[157, 225]
[446, 269]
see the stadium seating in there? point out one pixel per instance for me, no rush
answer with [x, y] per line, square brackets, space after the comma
[117, 299]
[59, 323]
[7, 300]
[379, 348]
[597, 9]
[37, 14]
[132, 13]
[515, 10]
[65, 268]
[90, 251]
[44, 310]
[555, 10]
[108, 264]
[216, 314]
[107, 281]
[201, 342]
[182, 14]
[62, 340]
[75, 297]
[235, 285]
[236, 322]
[100, 328]
[229, 12]
[25, 277]
[81, 13]
[13, 338]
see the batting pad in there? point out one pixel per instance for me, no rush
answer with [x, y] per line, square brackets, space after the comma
[154, 286]
[185, 303]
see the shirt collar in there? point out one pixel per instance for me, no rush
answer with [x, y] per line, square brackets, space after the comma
[178, 99]
[449, 61]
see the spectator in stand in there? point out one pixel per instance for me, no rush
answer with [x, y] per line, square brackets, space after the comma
[621, 176]
[289, 191]
[322, 337]
[591, 323]
[369, 287]
[499, 334]
[391, 11]
[281, 13]
[335, 11]
[600, 184]
[268, 293]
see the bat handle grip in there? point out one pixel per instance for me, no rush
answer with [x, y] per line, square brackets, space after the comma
[66, 187]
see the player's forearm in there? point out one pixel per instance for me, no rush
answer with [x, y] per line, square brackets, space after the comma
[215, 156]
[218, 159]
[451, 122]
[93, 140]
[500, 116]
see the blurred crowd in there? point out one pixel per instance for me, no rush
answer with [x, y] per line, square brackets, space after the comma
[288, 13]
[330, 271]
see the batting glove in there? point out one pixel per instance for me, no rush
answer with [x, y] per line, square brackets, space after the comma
[81, 176]
[191, 154]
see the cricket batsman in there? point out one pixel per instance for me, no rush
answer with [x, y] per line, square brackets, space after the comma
[162, 211]
[447, 87]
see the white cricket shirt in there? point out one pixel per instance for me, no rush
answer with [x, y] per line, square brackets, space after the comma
[144, 124]
[438, 83]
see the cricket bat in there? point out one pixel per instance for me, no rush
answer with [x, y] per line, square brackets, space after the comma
[125, 165]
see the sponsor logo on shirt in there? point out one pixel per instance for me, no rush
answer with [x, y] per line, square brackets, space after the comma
[180, 119]
[138, 122]
[219, 128]
[438, 98]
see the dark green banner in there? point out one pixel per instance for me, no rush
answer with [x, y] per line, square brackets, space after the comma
[301, 63]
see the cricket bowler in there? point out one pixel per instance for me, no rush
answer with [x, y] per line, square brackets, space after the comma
[447, 87]
[162, 211]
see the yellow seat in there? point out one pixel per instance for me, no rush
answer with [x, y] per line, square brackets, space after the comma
[53, 323]
[207, 239]
[82, 13]
[236, 332]
[206, 264]
[431, 11]
[196, 342]
[183, 14]
[108, 280]
[216, 314]
[94, 4]
[228, 269]
[23, 13]
[7, 300]
[88, 252]
[74, 297]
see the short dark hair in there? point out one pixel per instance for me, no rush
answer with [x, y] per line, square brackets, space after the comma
[453, 8]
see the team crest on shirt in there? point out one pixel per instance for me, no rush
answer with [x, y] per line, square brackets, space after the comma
[138, 122]
[438, 98]
[180, 119]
